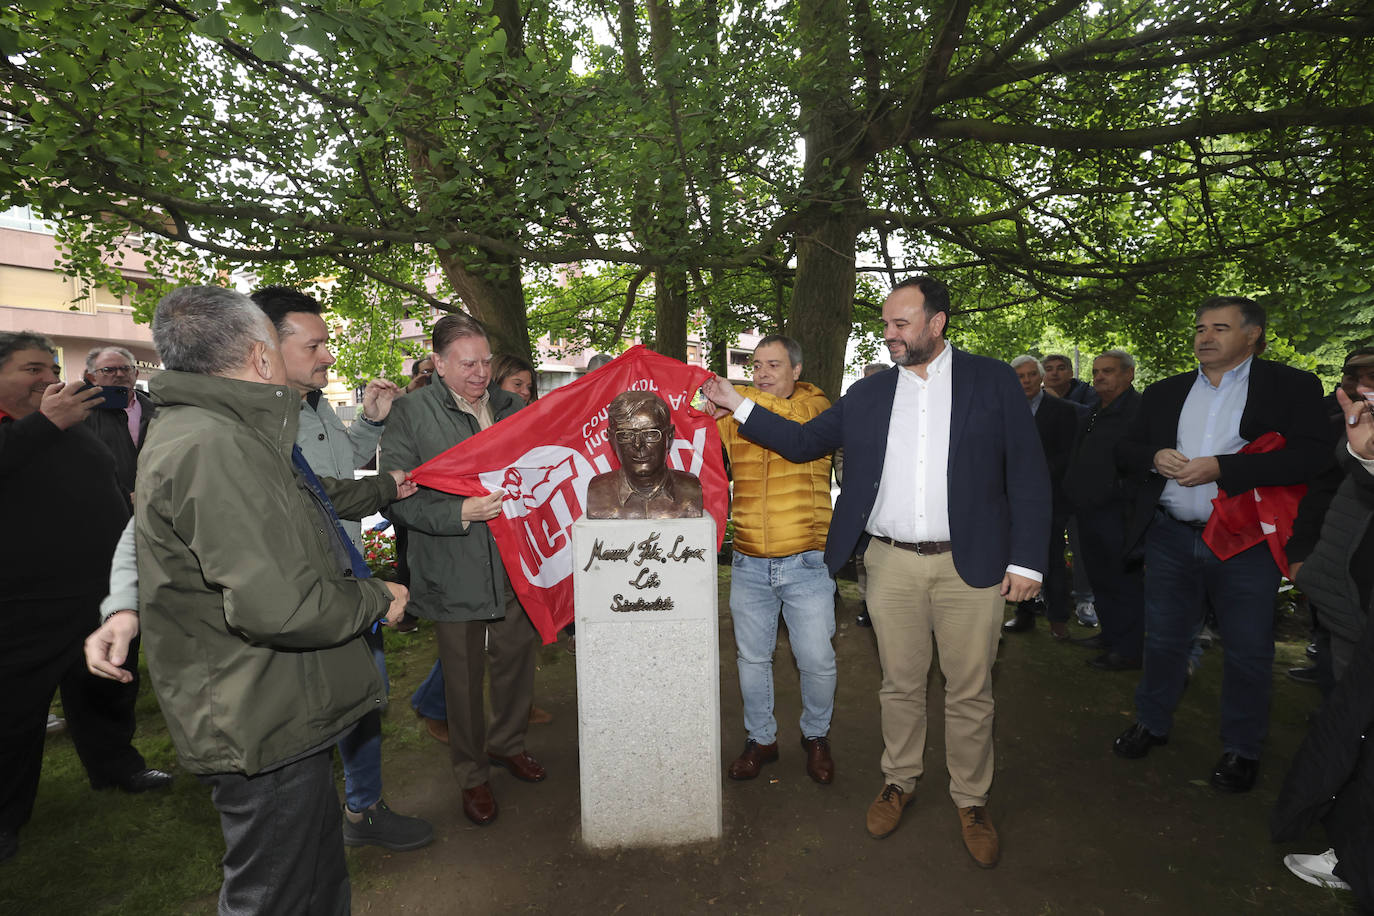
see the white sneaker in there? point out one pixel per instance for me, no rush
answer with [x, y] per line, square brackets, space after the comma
[55, 724]
[1318, 869]
[1086, 613]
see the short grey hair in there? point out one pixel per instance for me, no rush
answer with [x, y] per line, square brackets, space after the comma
[11, 342]
[1025, 359]
[94, 355]
[208, 330]
[1127, 360]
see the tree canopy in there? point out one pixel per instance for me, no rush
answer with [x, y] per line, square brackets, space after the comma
[594, 166]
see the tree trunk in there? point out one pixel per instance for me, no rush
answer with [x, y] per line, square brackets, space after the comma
[494, 297]
[670, 312]
[832, 185]
[823, 296]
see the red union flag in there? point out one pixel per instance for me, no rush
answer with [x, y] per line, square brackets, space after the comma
[544, 456]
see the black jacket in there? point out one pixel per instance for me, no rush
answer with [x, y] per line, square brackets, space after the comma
[49, 476]
[112, 428]
[1092, 480]
[1057, 423]
[1280, 399]
[1332, 776]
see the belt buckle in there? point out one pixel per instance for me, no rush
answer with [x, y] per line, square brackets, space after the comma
[919, 552]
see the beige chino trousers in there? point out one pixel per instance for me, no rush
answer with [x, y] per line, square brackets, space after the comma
[912, 599]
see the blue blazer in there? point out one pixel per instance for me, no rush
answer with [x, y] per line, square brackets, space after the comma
[999, 486]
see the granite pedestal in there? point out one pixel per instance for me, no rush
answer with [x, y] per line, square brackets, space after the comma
[648, 681]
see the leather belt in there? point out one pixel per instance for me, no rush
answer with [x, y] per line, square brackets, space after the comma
[920, 548]
[1173, 518]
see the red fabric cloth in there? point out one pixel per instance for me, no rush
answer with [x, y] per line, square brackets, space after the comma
[545, 455]
[1263, 514]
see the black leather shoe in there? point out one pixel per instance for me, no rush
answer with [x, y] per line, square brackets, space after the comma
[1110, 661]
[1091, 642]
[1136, 741]
[1307, 675]
[142, 781]
[1022, 622]
[863, 619]
[1311, 650]
[1234, 773]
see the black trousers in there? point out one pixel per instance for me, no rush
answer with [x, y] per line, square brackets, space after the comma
[283, 838]
[41, 653]
[1118, 593]
[1055, 591]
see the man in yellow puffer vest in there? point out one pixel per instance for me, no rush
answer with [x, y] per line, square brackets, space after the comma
[782, 515]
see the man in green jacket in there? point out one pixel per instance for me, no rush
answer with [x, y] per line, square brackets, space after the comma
[457, 576]
[251, 614]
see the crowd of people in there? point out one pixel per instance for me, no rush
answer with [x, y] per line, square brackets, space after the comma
[225, 535]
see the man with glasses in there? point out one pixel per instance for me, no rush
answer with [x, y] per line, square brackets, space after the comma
[122, 430]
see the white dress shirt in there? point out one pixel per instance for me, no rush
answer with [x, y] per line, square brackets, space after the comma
[913, 495]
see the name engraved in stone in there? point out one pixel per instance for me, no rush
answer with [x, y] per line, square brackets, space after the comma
[613, 555]
[682, 554]
[622, 606]
[649, 549]
[645, 579]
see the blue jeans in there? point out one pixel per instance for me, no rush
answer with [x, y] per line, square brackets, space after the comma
[1180, 570]
[428, 699]
[801, 588]
[361, 752]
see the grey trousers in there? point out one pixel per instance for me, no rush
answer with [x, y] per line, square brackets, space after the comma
[466, 650]
[283, 838]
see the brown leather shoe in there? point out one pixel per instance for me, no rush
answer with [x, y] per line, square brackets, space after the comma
[819, 766]
[980, 839]
[437, 728]
[479, 804]
[886, 811]
[540, 716]
[755, 755]
[521, 766]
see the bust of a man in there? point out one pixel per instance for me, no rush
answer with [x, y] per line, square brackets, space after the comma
[641, 431]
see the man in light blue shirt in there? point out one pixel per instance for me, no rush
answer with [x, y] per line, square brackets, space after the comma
[1183, 449]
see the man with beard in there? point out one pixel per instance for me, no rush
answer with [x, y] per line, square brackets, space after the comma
[946, 484]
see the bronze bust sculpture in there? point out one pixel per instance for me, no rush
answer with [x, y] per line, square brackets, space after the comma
[641, 431]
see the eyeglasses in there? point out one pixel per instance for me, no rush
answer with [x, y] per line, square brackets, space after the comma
[420, 372]
[639, 436]
[112, 371]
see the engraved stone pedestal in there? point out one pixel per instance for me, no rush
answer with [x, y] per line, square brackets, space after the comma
[648, 681]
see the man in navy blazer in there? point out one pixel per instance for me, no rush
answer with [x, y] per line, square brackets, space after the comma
[946, 492]
[1183, 446]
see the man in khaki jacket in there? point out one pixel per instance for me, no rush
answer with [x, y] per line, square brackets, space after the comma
[251, 604]
[781, 512]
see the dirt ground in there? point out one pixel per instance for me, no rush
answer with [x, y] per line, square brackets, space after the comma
[1082, 831]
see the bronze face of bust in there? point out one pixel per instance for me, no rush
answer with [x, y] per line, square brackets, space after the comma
[641, 431]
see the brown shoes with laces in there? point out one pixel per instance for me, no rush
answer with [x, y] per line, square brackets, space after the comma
[980, 839]
[886, 811]
[819, 765]
[755, 755]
